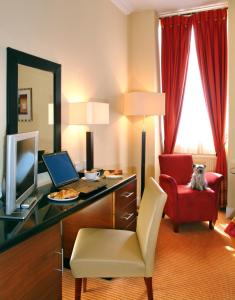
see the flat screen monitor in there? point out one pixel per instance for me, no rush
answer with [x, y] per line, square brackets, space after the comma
[21, 168]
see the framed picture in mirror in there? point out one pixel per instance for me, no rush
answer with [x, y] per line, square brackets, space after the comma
[25, 104]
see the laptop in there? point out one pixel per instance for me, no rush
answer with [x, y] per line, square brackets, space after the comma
[64, 175]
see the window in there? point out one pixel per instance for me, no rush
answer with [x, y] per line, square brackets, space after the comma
[194, 133]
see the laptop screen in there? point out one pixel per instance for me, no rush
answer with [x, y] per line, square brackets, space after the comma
[60, 168]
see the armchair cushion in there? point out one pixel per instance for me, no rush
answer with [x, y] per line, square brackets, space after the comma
[196, 205]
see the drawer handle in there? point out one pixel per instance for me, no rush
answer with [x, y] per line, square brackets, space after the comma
[127, 194]
[62, 260]
[128, 216]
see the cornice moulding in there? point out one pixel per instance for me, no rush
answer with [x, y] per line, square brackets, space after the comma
[123, 5]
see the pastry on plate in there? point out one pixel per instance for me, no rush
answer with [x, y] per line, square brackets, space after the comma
[112, 172]
[64, 194]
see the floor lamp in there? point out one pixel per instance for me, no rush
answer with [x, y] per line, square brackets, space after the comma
[88, 113]
[144, 104]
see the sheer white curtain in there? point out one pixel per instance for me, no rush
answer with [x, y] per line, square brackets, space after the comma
[194, 133]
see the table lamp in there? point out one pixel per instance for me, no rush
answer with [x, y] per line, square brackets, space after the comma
[144, 104]
[88, 113]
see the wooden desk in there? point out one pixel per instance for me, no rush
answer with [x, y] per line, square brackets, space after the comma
[30, 251]
[31, 269]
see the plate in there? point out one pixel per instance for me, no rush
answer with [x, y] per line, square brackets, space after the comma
[97, 178]
[114, 176]
[62, 200]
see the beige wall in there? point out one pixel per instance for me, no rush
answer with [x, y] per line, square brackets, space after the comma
[143, 76]
[89, 39]
[142, 51]
[231, 97]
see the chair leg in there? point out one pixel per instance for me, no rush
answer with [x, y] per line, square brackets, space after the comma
[211, 225]
[84, 282]
[148, 283]
[78, 288]
[175, 227]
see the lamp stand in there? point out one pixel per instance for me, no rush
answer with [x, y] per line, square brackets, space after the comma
[89, 151]
[143, 151]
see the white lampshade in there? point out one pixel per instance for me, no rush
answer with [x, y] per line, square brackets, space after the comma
[144, 104]
[88, 113]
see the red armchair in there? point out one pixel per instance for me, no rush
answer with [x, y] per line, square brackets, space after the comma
[185, 205]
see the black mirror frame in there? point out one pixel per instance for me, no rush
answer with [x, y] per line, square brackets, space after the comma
[15, 57]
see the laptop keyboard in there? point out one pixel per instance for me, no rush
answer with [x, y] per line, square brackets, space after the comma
[85, 188]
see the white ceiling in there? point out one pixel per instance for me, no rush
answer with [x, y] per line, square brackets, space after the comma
[166, 6]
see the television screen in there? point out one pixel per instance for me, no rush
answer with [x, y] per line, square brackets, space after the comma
[21, 168]
[24, 165]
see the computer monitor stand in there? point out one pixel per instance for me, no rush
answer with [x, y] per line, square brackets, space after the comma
[22, 212]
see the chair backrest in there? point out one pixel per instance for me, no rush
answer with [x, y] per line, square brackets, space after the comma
[148, 221]
[179, 166]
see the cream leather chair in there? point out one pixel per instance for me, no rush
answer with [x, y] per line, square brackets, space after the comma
[121, 253]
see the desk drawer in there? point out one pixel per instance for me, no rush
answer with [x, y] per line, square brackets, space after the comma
[125, 217]
[132, 225]
[125, 195]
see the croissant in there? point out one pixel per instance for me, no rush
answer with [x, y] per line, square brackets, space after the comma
[64, 194]
[112, 172]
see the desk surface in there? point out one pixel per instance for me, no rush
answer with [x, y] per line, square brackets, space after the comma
[47, 213]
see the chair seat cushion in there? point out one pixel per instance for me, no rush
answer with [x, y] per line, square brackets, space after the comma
[196, 205]
[116, 254]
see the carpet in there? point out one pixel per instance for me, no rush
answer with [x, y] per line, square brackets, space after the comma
[194, 264]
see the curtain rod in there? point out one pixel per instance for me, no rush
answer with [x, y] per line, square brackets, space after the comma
[193, 10]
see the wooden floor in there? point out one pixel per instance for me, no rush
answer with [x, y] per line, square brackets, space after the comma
[194, 264]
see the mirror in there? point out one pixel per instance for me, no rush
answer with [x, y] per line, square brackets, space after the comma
[35, 95]
[33, 88]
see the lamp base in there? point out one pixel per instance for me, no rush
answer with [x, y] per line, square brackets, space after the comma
[89, 151]
[143, 153]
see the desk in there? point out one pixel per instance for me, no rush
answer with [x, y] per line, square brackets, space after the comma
[30, 250]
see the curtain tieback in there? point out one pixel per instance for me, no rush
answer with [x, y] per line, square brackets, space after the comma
[221, 149]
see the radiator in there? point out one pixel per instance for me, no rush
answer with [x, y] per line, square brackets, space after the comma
[208, 160]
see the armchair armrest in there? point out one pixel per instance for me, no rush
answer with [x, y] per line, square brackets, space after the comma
[168, 180]
[213, 179]
[169, 185]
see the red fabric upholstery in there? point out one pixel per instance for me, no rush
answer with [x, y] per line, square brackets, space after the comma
[196, 205]
[184, 204]
[178, 166]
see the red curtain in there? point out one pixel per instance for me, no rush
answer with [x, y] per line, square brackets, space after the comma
[211, 43]
[176, 32]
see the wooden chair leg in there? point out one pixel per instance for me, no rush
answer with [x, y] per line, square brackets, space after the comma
[175, 227]
[78, 288]
[148, 283]
[84, 283]
[211, 225]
